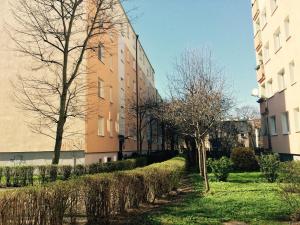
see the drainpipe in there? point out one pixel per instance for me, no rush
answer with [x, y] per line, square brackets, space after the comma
[137, 96]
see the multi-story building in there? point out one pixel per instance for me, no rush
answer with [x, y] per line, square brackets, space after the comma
[277, 46]
[110, 128]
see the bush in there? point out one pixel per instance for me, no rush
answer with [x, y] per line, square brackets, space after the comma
[95, 197]
[53, 169]
[244, 159]
[269, 166]
[220, 168]
[79, 170]
[7, 174]
[66, 172]
[290, 187]
[43, 174]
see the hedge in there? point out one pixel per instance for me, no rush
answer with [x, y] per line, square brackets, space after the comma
[20, 176]
[95, 197]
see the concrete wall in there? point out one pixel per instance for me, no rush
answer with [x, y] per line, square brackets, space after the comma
[40, 158]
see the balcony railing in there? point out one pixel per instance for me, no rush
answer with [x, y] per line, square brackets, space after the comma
[257, 41]
[255, 10]
[260, 73]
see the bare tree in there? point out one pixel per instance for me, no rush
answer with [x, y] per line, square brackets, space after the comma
[146, 112]
[247, 112]
[198, 99]
[59, 35]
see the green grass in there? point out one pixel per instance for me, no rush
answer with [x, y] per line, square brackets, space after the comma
[246, 197]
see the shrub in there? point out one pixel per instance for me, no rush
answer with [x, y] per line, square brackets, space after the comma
[290, 187]
[220, 168]
[53, 169]
[7, 174]
[96, 197]
[43, 174]
[1, 174]
[66, 172]
[269, 166]
[79, 170]
[244, 159]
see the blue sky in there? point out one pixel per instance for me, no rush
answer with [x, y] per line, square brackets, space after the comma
[167, 27]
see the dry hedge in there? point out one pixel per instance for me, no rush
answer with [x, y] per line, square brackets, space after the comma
[94, 197]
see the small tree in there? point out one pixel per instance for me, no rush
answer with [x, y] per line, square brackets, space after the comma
[198, 100]
[59, 35]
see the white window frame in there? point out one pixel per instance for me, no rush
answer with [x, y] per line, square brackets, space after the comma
[297, 119]
[287, 27]
[285, 124]
[274, 5]
[101, 52]
[273, 127]
[281, 80]
[269, 87]
[101, 92]
[292, 72]
[264, 17]
[267, 52]
[277, 40]
[101, 126]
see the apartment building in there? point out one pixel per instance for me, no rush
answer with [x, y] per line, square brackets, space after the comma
[277, 47]
[109, 129]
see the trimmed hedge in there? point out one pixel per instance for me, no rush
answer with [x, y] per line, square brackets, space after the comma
[244, 159]
[96, 197]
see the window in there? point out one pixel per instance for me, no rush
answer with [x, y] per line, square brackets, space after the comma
[108, 159]
[292, 72]
[297, 119]
[111, 125]
[273, 5]
[100, 126]
[101, 52]
[266, 52]
[101, 88]
[264, 17]
[285, 123]
[281, 80]
[277, 40]
[287, 27]
[270, 88]
[111, 94]
[273, 128]
[111, 63]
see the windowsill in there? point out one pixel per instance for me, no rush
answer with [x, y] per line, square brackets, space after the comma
[282, 90]
[288, 38]
[274, 10]
[267, 61]
[99, 135]
[298, 132]
[274, 135]
[102, 61]
[278, 49]
[293, 83]
[101, 98]
[285, 134]
[264, 26]
[111, 70]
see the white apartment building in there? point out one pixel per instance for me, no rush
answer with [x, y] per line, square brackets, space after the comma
[277, 45]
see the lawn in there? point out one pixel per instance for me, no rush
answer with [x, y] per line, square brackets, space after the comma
[245, 198]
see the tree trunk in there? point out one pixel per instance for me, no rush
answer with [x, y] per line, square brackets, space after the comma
[163, 137]
[200, 159]
[207, 188]
[60, 129]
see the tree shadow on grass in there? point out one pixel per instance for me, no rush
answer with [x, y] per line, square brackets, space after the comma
[220, 205]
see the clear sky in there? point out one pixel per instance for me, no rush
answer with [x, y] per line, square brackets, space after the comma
[167, 27]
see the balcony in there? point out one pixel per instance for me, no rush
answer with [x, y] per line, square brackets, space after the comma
[257, 41]
[255, 10]
[260, 73]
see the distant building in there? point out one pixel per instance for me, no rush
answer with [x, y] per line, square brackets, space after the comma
[277, 48]
[104, 132]
[236, 133]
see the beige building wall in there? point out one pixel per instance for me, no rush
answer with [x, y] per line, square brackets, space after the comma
[276, 38]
